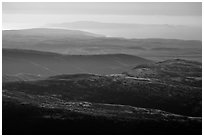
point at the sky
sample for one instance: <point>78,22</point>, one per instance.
<point>18,15</point>
<point>111,8</point>
<point>30,13</point>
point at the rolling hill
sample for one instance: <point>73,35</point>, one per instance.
<point>25,113</point>
<point>84,43</point>
<point>86,85</point>
<point>111,104</point>
<point>48,64</point>
<point>174,71</point>
<point>146,92</point>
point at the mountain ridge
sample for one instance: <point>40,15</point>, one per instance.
<point>132,30</point>
<point>47,64</point>
<point>156,49</point>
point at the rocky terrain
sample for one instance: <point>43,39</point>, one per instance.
<point>143,100</point>
<point>47,114</point>
<point>175,71</point>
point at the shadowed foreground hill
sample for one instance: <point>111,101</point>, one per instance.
<point>44,114</point>
<point>117,90</point>
<point>129,103</point>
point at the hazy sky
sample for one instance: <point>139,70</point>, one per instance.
<point>178,9</point>
<point>23,15</point>
<point>171,9</point>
